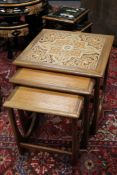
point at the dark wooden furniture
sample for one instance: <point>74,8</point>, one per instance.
<point>19,18</point>
<point>74,53</point>
<point>44,101</point>
<point>67,18</point>
<point>103,14</point>
<point>11,32</point>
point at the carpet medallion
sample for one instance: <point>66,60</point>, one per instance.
<point>99,159</point>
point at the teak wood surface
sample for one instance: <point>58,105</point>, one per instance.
<point>52,80</point>
<point>38,100</point>
<point>70,52</point>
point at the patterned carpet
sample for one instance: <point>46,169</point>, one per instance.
<point>99,159</point>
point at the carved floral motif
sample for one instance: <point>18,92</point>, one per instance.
<point>67,48</point>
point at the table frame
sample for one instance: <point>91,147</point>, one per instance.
<point>100,71</point>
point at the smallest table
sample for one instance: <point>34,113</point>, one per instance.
<point>47,102</point>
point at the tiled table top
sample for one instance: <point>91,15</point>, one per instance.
<point>66,51</point>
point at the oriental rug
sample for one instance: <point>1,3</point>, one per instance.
<point>99,159</point>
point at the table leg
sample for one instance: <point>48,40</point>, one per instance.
<point>105,78</point>
<point>86,123</point>
<point>98,101</point>
<point>93,127</point>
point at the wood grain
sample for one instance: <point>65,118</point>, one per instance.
<point>54,81</point>
<point>38,100</point>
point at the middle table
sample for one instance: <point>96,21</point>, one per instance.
<point>71,52</point>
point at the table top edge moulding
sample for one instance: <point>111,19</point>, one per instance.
<point>53,81</point>
<point>50,102</point>
<point>69,52</point>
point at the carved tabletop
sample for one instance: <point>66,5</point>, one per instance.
<point>66,51</point>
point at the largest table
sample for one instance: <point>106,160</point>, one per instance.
<point>71,52</point>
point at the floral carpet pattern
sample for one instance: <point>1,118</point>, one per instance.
<point>99,159</point>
